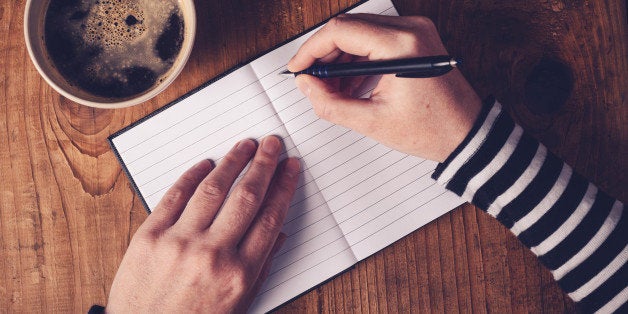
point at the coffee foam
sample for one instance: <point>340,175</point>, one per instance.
<point>126,33</point>
<point>107,25</point>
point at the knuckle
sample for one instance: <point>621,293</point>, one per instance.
<point>273,217</point>
<point>211,190</point>
<point>407,39</point>
<point>248,194</point>
<point>240,281</point>
<point>177,243</point>
<point>213,253</point>
<point>230,159</point>
<point>147,236</point>
<point>172,199</point>
<point>188,178</point>
<point>323,111</point>
<point>265,164</point>
<point>421,21</point>
<point>336,22</point>
<point>232,276</point>
<point>285,190</point>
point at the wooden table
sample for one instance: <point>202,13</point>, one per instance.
<point>67,211</point>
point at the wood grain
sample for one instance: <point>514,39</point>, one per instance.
<point>67,212</point>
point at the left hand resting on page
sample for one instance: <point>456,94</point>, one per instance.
<point>199,251</point>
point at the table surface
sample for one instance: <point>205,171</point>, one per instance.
<point>67,211</point>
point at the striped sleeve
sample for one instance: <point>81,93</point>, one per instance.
<point>576,230</point>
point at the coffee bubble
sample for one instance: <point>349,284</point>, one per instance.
<point>114,48</point>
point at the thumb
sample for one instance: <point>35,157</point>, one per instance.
<point>333,105</point>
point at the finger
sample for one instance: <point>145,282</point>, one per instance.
<point>353,36</point>
<point>336,56</point>
<point>256,245</point>
<point>339,58</point>
<point>335,106</point>
<point>415,26</point>
<point>336,82</point>
<point>331,57</point>
<point>349,86</point>
<point>174,201</point>
<point>263,272</point>
<point>344,58</point>
<point>247,196</point>
<point>211,192</point>
<point>400,22</point>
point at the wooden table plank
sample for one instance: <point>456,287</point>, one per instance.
<point>67,211</point>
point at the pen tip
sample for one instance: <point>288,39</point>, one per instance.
<point>455,62</point>
<point>287,73</point>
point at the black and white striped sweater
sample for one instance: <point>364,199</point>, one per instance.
<point>576,230</point>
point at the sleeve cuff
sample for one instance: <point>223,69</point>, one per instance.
<point>471,144</point>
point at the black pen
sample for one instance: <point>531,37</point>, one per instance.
<point>412,67</point>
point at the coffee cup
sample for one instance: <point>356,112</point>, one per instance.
<point>109,53</point>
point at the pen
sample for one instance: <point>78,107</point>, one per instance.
<point>412,68</point>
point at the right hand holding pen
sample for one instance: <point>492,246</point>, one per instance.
<point>425,117</point>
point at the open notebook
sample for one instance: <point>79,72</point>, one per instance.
<point>355,196</point>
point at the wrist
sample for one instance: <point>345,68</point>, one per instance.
<point>467,130</point>
<point>464,113</point>
<point>471,142</point>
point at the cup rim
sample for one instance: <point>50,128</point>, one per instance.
<point>186,50</point>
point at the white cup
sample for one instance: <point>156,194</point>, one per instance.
<point>34,22</point>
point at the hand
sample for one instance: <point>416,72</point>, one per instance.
<point>198,252</point>
<point>426,117</point>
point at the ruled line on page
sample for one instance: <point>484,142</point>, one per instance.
<point>345,234</point>
<point>265,105</point>
<point>348,249</point>
<point>360,193</point>
<point>295,147</point>
<point>203,109</point>
<point>314,165</point>
<point>284,251</point>
<point>339,179</point>
<point>181,164</point>
<point>199,125</point>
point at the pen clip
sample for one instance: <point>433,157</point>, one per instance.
<point>425,74</point>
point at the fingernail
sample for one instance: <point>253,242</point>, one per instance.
<point>303,86</point>
<point>293,166</point>
<point>246,146</point>
<point>289,66</point>
<point>271,145</point>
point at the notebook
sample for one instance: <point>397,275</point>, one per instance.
<point>354,197</point>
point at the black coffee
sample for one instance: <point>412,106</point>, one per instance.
<point>114,48</point>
